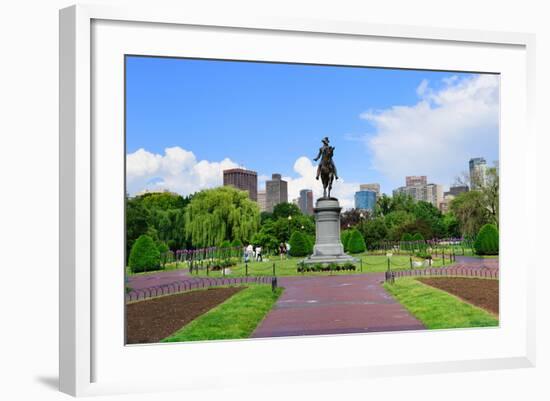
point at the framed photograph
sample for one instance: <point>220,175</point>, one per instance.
<point>306,198</point>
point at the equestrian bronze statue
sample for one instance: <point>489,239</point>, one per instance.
<point>326,168</point>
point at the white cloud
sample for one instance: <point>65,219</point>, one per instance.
<point>438,135</point>
<point>177,170</point>
<point>306,171</point>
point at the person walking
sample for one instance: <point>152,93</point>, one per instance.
<point>259,254</point>
<point>282,250</point>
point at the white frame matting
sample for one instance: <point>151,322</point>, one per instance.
<point>93,42</point>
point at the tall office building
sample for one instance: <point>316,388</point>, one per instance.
<point>457,190</point>
<point>305,203</point>
<point>245,180</point>
<point>371,187</point>
<point>365,199</point>
<point>262,200</point>
<point>434,194</point>
<point>420,190</point>
<point>478,172</point>
<point>416,180</point>
<point>276,192</point>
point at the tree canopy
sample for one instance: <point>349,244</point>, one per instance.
<point>219,214</point>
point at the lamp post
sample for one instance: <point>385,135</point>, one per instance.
<point>289,220</point>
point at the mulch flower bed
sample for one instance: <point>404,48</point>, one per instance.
<point>479,292</point>
<point>152,320</point>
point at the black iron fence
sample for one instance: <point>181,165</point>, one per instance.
<point>194,284</point>
<point>489,273</point>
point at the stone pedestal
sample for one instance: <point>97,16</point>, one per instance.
<point>328,247</point>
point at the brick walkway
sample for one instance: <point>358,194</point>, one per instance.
<point>335,305</point>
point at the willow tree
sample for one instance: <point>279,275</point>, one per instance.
<point>220,214</point>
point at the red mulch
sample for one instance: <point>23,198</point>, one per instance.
<point>152,320</point>
<point>479,292</point>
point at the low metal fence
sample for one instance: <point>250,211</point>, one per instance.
<point>443,272</point>
<point>194,284</point>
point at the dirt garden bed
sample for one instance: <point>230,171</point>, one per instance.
<point>479,292</point>
<point>152,320</point>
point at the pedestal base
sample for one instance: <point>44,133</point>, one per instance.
<point>328,247</point>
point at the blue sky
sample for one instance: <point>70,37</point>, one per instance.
<point>265,116</point>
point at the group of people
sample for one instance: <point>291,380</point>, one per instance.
<point>255,252</point>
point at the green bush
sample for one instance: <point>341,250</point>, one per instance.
<point>237,243</point>
<point>344,237</point>
<point>145,255</point>
<point>300,245</point>
<point>407,237</point>
<point>356,242</point>
<point>486,242</point>
<point>417,237</point>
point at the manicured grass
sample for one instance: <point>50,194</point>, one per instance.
<point>438,309</point>
<point>235,318</point>
<point>287,267</point>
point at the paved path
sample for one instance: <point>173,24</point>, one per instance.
<point>335,305</point>
<point>140,281</point>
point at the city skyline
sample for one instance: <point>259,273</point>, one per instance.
<point>188,120</point>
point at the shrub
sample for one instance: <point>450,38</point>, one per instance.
<point>144,255</point>
<point>486,242</point>
<point>407,237</point>
<point>225,244</point>
<point>344,237</point>
<point>417,237</point>
<point>237,243</point>
<point>299,244</point>
<point>356,242</point>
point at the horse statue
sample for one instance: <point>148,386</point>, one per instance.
<point>326,168</point>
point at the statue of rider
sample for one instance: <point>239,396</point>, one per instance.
<point>322,152</point>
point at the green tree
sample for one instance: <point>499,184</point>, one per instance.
<point>356,242</point>
<point>219,214</point>
<point>267,241</point>
<point>137,217</point>
<point>490,193</point>
<point>300,245</point>
<point>374,231</point>
<point>487,241</point>
<point>285,209</point>
<point>144,255</point>
<point>471,211</point>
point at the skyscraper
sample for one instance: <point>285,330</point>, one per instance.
<point>416,180</point>
<point>276,192</point>
<point>371,187</point>
<point>365,200</point>
<point>245,180</point>
<point>418,188</point>
<point>306,201</point>
<point>478,172</point>
<point>456,190</point>
<point>261,200</point>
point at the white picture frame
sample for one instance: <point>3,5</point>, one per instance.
<point>82,328</point>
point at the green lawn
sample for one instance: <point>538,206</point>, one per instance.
<point>235,318</point>
<point>438,309</point>
<point>287,267</point>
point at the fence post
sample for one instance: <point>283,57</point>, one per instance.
<point>274,270</point>
<point>388,263</point>
<point>273,284</point>
<point>361,264</point>
<point>443,255</point>
<point>208,269</point>
<point>411,261</point>
<point>246,269</point>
